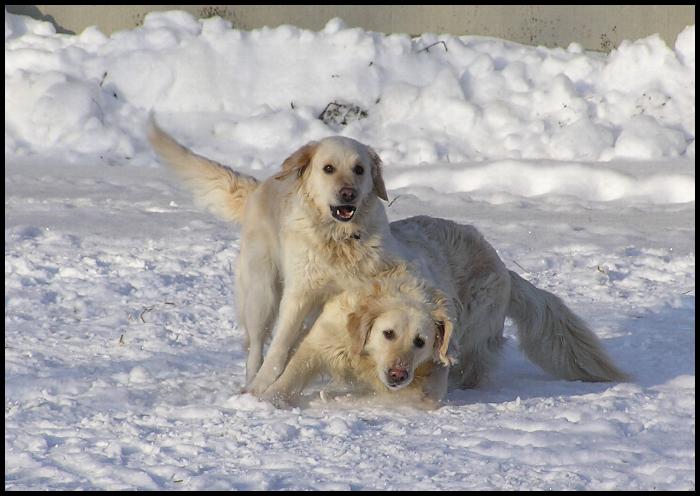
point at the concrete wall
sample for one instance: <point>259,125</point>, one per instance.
<point>596,27</point>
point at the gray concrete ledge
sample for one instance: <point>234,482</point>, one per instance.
<point>595,27</point>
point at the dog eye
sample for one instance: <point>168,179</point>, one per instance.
<point>419,342</point>
<point>359,170</point>
<point>389,334</point>
<point>329,169</point>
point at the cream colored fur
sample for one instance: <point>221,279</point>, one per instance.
<point>295,257</point>
<point>476,294</point>
<point>216,187</point>
<point>347,341</point>
<point>294,253</point>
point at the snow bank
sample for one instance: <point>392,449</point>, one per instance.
<point>531,178</point>
<point>249,97</point>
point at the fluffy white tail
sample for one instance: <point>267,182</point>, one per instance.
<point>555,338</point>
<point>216,187</point>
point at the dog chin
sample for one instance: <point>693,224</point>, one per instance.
<point>397,386</point>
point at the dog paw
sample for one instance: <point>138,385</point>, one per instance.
<point>429,404</point>
<point>261,382</point>
<point>257,388</point>
<point>277,398</point>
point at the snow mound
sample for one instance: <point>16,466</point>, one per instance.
<point>242,94</point>
<point>528,178</point>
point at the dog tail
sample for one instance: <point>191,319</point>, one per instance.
<point>216,187</point>
<point>555,338</point>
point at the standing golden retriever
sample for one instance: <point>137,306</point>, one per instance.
<point>307,233</point>
<point>401,337</point>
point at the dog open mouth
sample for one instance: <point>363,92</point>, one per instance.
<point>343,213</point>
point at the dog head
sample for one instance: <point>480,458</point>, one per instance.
<point>400,327</point>
<point>338,174</point>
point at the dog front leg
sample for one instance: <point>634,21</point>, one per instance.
<point>304,365</point>
<point>294,308</point>
<point>435,386</point>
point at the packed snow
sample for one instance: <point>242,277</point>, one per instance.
<point>123,354</point>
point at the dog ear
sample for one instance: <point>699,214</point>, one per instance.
<point>377,179</point>
<point>442,341</point>
<point>443,328</point>
<point>298,161</point>
<point>359,325</point>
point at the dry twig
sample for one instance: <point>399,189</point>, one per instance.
<point>427,49</point>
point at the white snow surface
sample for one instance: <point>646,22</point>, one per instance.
<point>123,354</point>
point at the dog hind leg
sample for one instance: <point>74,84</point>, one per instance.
<point>257,297</point>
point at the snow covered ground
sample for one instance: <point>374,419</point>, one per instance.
<point>123,354</point>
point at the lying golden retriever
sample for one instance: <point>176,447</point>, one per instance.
<point>389,337</point>
<point>307,233</point>
<point>401,337</point>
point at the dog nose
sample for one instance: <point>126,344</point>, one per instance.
<point>348,194</point>
<point>397,375</point>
